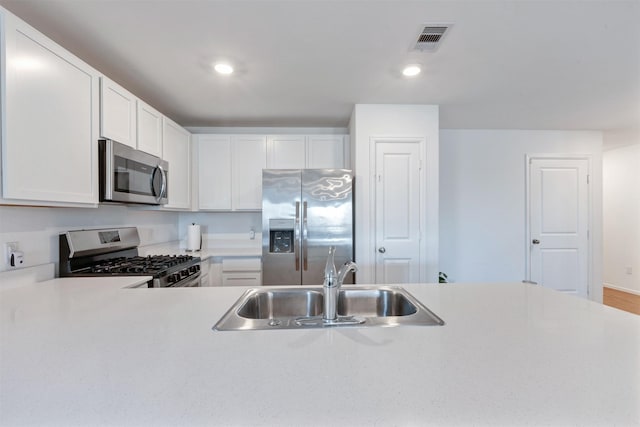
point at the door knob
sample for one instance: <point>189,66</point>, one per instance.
<point>382,250</point>
<point>536,242</point>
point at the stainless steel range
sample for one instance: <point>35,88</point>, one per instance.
<point>114,252</point>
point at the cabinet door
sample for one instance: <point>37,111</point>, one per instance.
<point>286,152</point>
<point>176,149</point>
<point>50,120</point>
<point>117,113</point>
<point>149,129</point>
<point>214,172</point>
<point>242,279</point>
<point>325,151</point>
<point>248,159</point>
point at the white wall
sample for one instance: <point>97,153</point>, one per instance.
<point>381,120</point>
<point>232,223</point>
<point>36,229</point>
<point>482,200</point>
<point>621,217</point>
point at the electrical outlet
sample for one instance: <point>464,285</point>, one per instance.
<point>9,248</point>
<point>629,270</point>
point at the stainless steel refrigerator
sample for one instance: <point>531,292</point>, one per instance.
<point>304,211</point>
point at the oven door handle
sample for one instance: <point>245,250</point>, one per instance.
<point>188,282</point>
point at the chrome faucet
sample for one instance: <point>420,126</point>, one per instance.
<point>331,286</point>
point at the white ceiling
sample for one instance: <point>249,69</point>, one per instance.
<point>505,64</point>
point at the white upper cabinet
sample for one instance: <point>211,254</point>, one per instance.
<point>149,129</point>
<point>286,152</point>
<point>326,152</point>
<point>176,149</point>
<point>214,172</point>
<point>230,171</point>
<point>306,151</point>
<point>117,113</point>
<point>249,157</point>
<point>49,121</point>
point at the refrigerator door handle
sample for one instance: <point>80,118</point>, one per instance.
<point>296,239</point>
<point>305,246</point>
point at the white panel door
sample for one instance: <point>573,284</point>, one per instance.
<point>176,149</point>
<point>214,172</point>
<point>325,152</point>
<point>249,157</point>
<point>397,192</point>
<point>559,215</point>
<point>149,129</point>
<point>49,149</point>
<point>117,113</point>
<point>286,152</point>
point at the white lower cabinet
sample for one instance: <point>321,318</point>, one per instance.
<point>204,272</point>
<point>50,121</point>
<point>215,273</point>
<point>235,271</point>
<point>242,279</point>
<point>242,271</point>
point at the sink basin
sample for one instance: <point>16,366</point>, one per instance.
<point>301,308</point>
<point>270,304</point>
<point>380,302</point>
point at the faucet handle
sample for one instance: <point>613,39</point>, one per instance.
<point>346,268</point>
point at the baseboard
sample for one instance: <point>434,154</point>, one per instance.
<point>618,288</point>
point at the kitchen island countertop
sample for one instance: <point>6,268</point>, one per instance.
<point>87,351</point>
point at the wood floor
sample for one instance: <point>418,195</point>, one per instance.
<point>621,300</point>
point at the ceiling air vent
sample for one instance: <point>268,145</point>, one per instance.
<point>430,37</point>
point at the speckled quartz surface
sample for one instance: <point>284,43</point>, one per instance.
<point>88,352</point>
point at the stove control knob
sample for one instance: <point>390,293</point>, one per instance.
<point>172,278</point>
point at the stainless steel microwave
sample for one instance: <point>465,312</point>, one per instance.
<point>128,175</point>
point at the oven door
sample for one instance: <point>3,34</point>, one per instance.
<point>189,282</point>
<point>131,176</point>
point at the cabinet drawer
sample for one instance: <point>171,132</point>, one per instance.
<point>241,279</point>
<point>241,264</point>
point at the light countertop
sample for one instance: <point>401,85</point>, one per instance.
<point>85,351</point>
<point>217,248</point>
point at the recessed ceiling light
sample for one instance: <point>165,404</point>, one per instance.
<point>411,70</point>
<point>223,68</point>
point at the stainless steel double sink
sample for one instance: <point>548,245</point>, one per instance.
<point>301,308</point>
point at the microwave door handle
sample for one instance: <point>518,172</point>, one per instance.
<point>163,189</point>
<point>163,183</point>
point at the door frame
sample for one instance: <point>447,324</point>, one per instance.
<point>422,144</point>
<point>527,237</point>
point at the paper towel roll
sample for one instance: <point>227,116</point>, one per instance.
<point>193,237</point>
